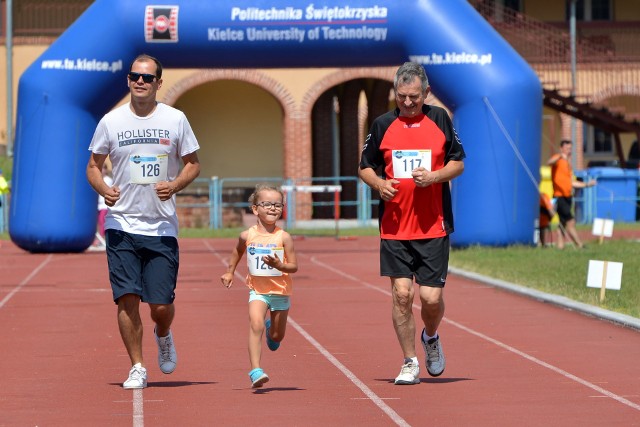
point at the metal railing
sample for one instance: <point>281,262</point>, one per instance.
<point>216,195</point>
<point>43,18</point>
<point>224,194</point>
<point>615,197</point>
<point>4,213</point>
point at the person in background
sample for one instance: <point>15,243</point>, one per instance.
<point>4,189</point>
<point>99,243</point>
<point>544,222</point>
<point>271,259</point>
<point>563,184</point>
<point>147,142</point>
<point>4,186</point>
<point>418,151</point>
<point>102,206</point>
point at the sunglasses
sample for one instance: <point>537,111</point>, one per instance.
<point>147,78</point>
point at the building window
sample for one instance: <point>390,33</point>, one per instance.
<point>601,10</point>
<point>512,4</point>
<point>500,10</point>
<point>598,143</point>
<point>591,10</point>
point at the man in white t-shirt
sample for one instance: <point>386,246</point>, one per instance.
<point>147,143</point>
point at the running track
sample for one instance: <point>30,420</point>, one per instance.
<point>510,360</point>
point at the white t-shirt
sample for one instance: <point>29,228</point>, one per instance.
<point>144,150</point>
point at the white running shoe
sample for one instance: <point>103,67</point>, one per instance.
<point>167,356</point>
<point>409,374</point>
<point>434,356</point>
<point>137,378</point>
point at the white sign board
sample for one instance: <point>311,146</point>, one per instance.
<point>595,276</point>
<point>602,227</point>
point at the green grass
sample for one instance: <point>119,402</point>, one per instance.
<point>6,164</point>
<point>549,270</point>
<point>560,272</point>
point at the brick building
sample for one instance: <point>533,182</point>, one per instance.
<point>310,123</point>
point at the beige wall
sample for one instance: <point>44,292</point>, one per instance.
<point>545,10</point>
<point>235,119</point>
<point>298,81</point>
<point>554,10</point>
<point>551,133</point>
<point>23,57</point>
<point>626,10</point>
<point>239,128</point>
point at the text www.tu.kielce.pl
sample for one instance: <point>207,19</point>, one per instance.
<point>81,64</point>
<point>452,58</point>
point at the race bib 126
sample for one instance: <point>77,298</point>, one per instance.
<point>148,169</point>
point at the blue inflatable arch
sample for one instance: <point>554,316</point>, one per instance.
<point>494,94</point>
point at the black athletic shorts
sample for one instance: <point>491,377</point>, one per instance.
<point>142,265</point>
<point>426,260</point>
<point>563,207</point>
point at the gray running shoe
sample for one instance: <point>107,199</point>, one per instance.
<point>409,373</point>
<point>434,356</point>
<point>167,357</point>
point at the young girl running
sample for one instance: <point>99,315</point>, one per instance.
<point>270,259</point>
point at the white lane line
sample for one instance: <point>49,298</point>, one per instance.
<point>26,280</point>
<point>138,408</point>
<point>351,376</point>
<point>397,419</point>
<point>496,342</point>
<point>549,366</point>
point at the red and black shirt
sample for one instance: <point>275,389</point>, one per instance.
<point>415,212</point>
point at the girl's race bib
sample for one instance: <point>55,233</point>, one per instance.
<point>257,266</point>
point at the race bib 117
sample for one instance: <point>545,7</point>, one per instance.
<point>404,161</point>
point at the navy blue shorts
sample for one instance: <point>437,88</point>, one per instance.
<point>142,265</point>
<point>563,207</point>
<point>426,260</point>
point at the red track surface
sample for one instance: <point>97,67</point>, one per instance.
<point>510,360</point>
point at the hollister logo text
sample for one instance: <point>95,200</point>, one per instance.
<point>161,24</point>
